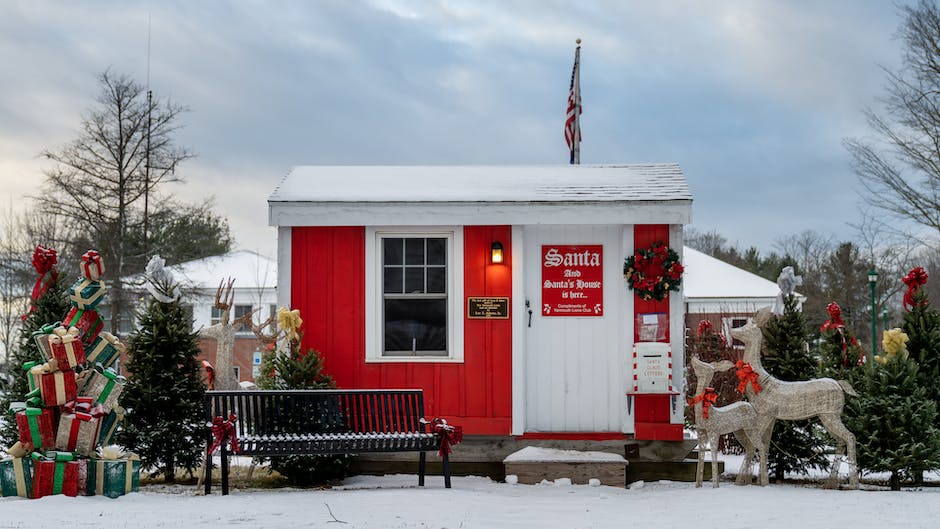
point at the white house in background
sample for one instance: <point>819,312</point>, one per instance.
<point>722,293</point>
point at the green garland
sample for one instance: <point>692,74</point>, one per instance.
<point>652,272</point>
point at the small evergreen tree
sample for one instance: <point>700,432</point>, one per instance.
<point>795,445</point>
<point>893,420</point>
<point>50,307</point>
<point>164,424</point>
<point>296,369</point>
<point>922,326</point>
<point>839,352</point>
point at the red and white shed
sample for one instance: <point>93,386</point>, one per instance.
<point>393,269</point>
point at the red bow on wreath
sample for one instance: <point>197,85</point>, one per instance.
<point>914,279</point>
<point>746,375</point>
<point>450,435</point>
<point>707,398</point>
<point>223,431</point>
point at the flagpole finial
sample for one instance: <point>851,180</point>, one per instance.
<point>578,42</point>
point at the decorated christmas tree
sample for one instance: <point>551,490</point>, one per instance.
<point>165,424</point>
<point>292,368</point>
<point>839,351</point>
<point>893,419</point>
<point>48,302</point>
<point>795,445</point>
<point>922,326</point>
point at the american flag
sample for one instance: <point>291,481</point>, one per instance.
<point>572,125</point>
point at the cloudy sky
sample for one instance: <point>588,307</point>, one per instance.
<point>752,98</point>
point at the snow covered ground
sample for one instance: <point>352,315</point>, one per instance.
<point>475,502</point>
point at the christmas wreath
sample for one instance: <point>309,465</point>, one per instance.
<point>654,271</point>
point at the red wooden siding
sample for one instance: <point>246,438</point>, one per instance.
<point>644,235</point>
<point>328,286</point>
<point>651,419</point>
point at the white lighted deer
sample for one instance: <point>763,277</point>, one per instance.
<point>774,399</point>
<point>711,422</point>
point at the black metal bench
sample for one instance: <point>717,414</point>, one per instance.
<point>323,422</point>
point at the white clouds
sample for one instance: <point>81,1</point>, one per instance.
<point>728,89</point>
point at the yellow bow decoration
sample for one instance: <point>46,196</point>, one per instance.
<point>290,321</point>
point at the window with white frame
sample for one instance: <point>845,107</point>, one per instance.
<point>415,286</point>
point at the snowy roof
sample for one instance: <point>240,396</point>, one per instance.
<point>249,269</point>
<point>708,277</point>
<point>427,183</point>
<point>423,195</point>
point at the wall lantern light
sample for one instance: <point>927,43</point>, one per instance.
<point>496,253</point>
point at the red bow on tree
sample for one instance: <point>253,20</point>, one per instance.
<point>746,375</point>
<point>44,260</point>
<point>707,398</point>
<point>835,318</point>
<point>450,435</point>
<point>914,279</point>
<point>223,431</point>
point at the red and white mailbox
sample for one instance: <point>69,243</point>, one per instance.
<point>653,397</point>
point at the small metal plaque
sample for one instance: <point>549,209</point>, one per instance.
<point>488,308</point>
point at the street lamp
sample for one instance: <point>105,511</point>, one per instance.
<point>872,280</point>
<point>884,317</point>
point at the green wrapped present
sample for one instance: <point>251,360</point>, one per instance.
<point>86,293</point>
<point>113,477</point>
<point>16,477</point>
<point>41,337</point>
<point>104,350</point>
<point>109,425</point>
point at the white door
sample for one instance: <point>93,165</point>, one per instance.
<point>575,366</point>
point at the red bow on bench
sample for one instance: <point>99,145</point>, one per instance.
<point>450,435</point>
<point>223,430</point>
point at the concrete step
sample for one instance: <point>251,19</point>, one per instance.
<point>668,470</point>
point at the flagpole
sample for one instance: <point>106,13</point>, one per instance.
<point>576,145</point>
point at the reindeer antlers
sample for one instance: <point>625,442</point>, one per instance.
<point>224,296</point>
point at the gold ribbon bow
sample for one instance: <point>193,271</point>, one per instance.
<point>63,335</point>
<point>289,321</point>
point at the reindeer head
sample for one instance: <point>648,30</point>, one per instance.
<point>705,372</point>
<point>748,334</point>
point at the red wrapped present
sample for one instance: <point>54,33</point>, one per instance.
<point>86,293</point>
<point>67,347</point>
<point>56,387</point>
<point>79,426</point>
<point>92,266</point>
<point>36,426</point>
<point>58,473</point>
<point>88,322</point>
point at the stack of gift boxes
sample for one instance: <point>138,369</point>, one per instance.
<point>71,409</point>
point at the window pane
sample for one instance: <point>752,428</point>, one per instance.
<point>414,251</point>
<point>241,310</point>
<point>393,251</point>
<point>414,280</point>
<point>393,277</point>
<point>437,279</point>
<point>437,251</point>
<point>416,325</point>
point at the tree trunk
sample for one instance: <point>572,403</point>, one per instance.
<point>895,481</point>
